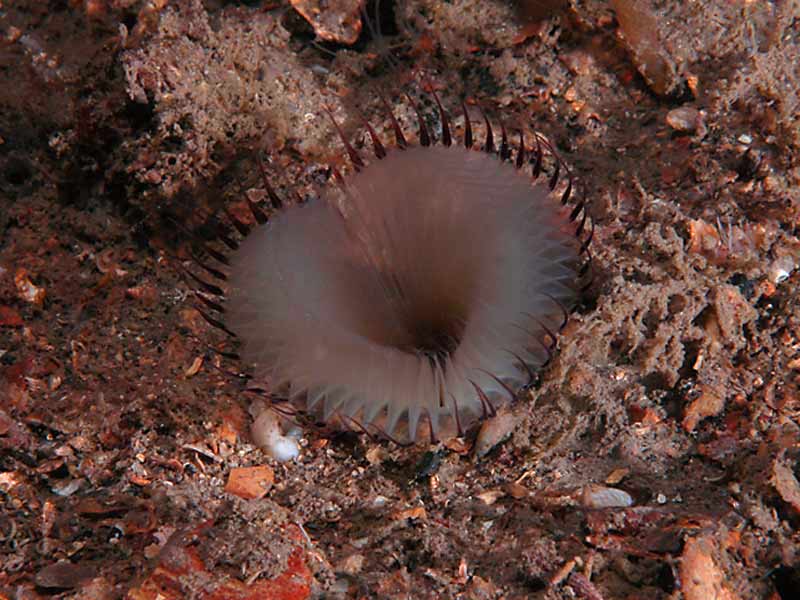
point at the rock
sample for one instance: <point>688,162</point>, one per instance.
<point>9,317</point>
<point>638,27</point>
<point>709,403</point>
<point>785,482</point>
<point>250,483</point>
<point>63,575</point>
<point>686,119</point>
<point>701,578</point>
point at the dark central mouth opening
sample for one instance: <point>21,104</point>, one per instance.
<point>435,339</point>
<point>427,321</point>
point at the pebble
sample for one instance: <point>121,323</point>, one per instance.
<point>685,119</point>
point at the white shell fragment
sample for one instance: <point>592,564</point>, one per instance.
<point>600,496</point>
<point>781,268</point>
<point>267,435</point>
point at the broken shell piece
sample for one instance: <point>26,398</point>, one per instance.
<point>600,496</point>
<point>267,435</point>
<point>26,290</point>
<point>781,268</point>
<point>493,431</point>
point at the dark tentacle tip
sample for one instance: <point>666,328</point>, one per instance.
<point>358,162</point>
<point>424,134</point>
<point>214,322</point>
<point>352,421</point>
<point>520,151</point>
<point>564,310</point>
<point>198,241</point>
<point>576,211</point>
<point>526,367</point>
<point>284,409</point>
<point>447,139</point>
<point>229,355</point>
<point>215,254</point>
<point>502,383</point>
<point>538,157</point>
<point>377,433</point>
<point>468,141</point>
<point>242,228</point>
<point>579,229</point>
<point>556,171</point>
<point>377,145</point>
<point>505,150</point>
<point>400,139</point>
<point>277,203</point>
<point>225,239</point>
<point>585,244</point>
<point>259,215</point>
<point>544,327</point>
<point>486,405</point>
<point>488,146</point>
<point>209,288</point>
<point>568,191</point>
<point>216,273</point>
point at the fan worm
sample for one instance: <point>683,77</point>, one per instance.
<point>418,291</point>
